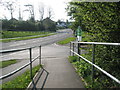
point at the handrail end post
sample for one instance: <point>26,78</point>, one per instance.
<point>30,51</point>
<point>39,55</point>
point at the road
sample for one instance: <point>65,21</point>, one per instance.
<point>61,34</point>
<point>23,56</point>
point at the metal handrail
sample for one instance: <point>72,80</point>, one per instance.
<point>109,75</point>
<point>92,63</point>
<point>19,69</point>
<point>16,50</point>
<point>98,43</point>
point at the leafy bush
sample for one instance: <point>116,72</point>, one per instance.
<point>73,59</point>
<point>100,20</point>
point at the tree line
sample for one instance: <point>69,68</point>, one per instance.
<point>29,25</point>
<point>43,24</point>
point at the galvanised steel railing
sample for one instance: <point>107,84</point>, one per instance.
<point>72,49</point>
<point>21,68</point>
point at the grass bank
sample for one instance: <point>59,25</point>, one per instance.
<point>14,34</point>
<point>21,81</point>
<point>85,38</point>
<point>7,63</point>
<point>66,41</point>
<point>25,38</point>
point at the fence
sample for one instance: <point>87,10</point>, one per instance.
<point>72,50</point>
<point>21,68</point>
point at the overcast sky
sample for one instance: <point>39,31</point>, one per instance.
<point>58,7</point>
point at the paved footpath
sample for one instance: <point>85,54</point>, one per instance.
<point>57,72</point>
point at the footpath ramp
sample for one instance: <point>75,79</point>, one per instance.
<point>58,72</point>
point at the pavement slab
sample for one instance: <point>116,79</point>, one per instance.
<point>58,71</point>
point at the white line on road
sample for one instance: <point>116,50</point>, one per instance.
<point>18,44</point>
<point>7,55</point>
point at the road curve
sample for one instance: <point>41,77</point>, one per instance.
<point>61,34</point>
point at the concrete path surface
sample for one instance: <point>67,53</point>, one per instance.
<point>58,72</point>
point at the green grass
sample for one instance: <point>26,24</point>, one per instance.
<point>7,63</point>
<point>85,38</point>
<point>14,34</point>
<point>21,81</point>
<point>66,41</point>
<point>25,38</point>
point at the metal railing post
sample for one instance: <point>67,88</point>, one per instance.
<point>31,76</point>
<point>30,50</point>
<point>79,50</point>
<point>73,49</point>
<point>93,61</point>
<point>70,48</point>
<point>40,55</point>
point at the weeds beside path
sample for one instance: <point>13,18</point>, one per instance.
<point>21,81</point>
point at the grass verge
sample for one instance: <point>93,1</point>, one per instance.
<point>14,34</point>
<point>7,63</point>
<point>66,41</point>
<point>25,38</point>
<point>21,81</point>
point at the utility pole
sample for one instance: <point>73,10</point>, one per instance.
<point>20,18</point>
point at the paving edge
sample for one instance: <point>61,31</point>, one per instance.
<point>33,79</point>
<point>61,45</point>
<point>83,80</point>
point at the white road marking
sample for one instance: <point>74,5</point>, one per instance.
<point>18,44</point>
<point>7,55</point>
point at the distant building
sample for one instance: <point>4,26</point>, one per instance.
<point>61,24</point>
<point>49,24</point>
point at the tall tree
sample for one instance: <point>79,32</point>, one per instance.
<point>50,13</point>
<point>10,5</point>
<point>20,16</point>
